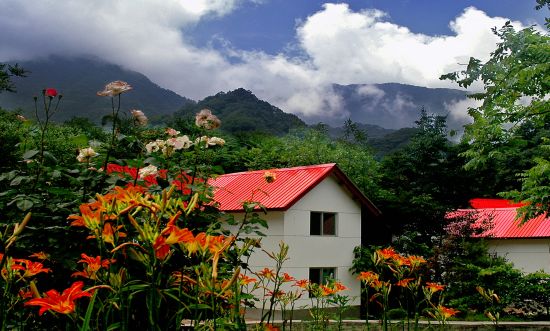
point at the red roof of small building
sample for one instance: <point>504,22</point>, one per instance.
<point>289,186</point>
<point>480,203</point>
<point>503,220</point>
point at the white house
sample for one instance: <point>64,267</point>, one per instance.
<point>316,210</point>
<point>526,245</point>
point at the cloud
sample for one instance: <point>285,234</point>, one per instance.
<point>457,110</point>
<point>371,91</point>
<point>336,45</point>
<point>361,47</point>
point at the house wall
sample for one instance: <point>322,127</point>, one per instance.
<point>324,251</point>
<point>305,251</point>
<point>528,255</point>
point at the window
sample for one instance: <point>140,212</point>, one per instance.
<point>322,224</point>
<point>321,275</point>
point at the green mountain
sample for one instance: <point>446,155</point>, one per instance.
<point>78,80</point>
<point>241,111</point>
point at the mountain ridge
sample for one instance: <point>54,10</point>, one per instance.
<point>78,80</point>
<point>379,108</point>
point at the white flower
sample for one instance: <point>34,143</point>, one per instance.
<point>114,88</point>
<point>201,139</point>
<point>147,171</point>
<point>204,119</point>
<point>86,154</point>
<point>139,117</point>
<point>180,142</point>
<point>155,146</point>
<point>213,141</point>
<point>172,132</point>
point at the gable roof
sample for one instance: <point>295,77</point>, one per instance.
<point>503,220</point>
<point>290,185</point>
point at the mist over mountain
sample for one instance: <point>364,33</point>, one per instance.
<point>394,106</point>
<point>78,80</point>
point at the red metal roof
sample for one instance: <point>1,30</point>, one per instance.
<point>291,184</point>
<point>493,203</point>
<point>506,226</point>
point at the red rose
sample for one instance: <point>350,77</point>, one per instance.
<point>50,92</point>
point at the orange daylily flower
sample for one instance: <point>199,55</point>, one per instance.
<point>271,327</point>
<point>40,256</point>
<point>302,283</point>
<point>177,235</point>
<point>25,294</point>
<point>368,276</point>
<point>108,233</point>
<point>267,273</point>
<point>131,194</point>
<point>34,268</point>
<point>93,264</point>
<point>90,216</point>
<point>378,284</point>
<point>339,287</point>
<point>287,278</point>
<point>245,280</point>
<point>415,261</point>
<point>62,303</point>
<point>325,290</point>
<point>447,312</point>
<point>404,282</point>
<point>161,248</point>
<point>400,260</point>
<point>434,287</point>
<point>387,253</point>
<point>203,243</point>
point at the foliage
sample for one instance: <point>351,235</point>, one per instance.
<point>242,111</point>
<point>516,85</point>
<point>535,287</point>
<point>421,183</point>
<point>7,71</point>
<point>462,260</point>
<point>314,146</point>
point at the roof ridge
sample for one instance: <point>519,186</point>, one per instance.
<point>313,166</point>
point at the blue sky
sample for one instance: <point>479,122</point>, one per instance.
<point>270,25</point>
<point>287,52</point>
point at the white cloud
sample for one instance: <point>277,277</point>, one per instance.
<point>338,46</point>
<point>458,110</point>
<point>360,47</point>
<point>371,91</point>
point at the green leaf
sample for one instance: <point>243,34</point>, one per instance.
<point>24,205</point>
<point>114,326</point>
<point>87,317</point>
<point>17,180</point>
<point>30,154</point>
<point>49,156</point>
<point>80,140</point>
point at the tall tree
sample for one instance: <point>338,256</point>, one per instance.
<point>422,182</point>
<point>515,111</point>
